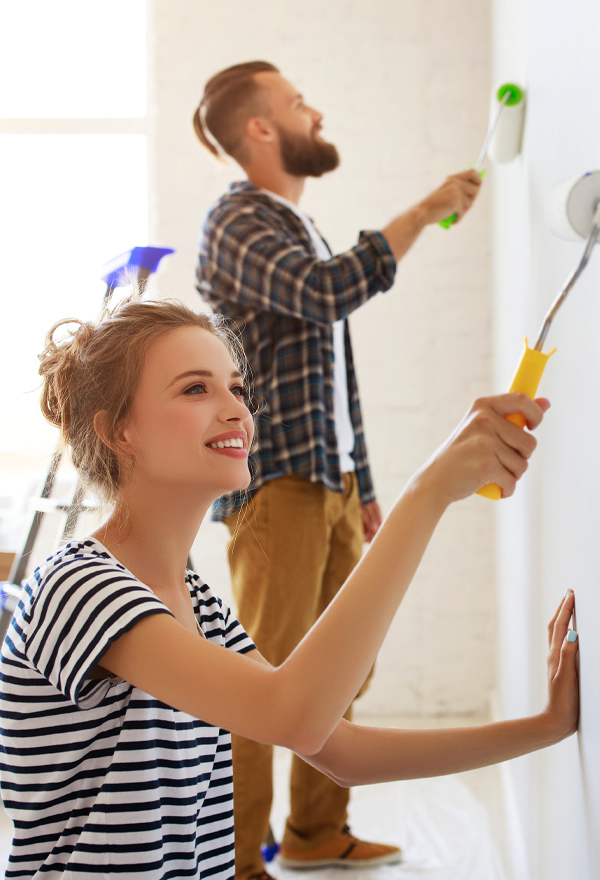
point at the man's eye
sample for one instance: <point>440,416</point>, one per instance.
<point>198,388</point>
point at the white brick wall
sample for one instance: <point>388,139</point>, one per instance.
<point>404,89</point>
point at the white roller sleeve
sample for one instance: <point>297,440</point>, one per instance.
<point>506,143</point>
<point>569,206</point>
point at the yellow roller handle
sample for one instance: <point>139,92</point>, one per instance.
<point>526,381</point>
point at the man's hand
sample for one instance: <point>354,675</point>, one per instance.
<point>371,520</point>
<point>455,196</point>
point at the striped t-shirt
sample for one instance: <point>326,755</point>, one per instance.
<point>100,778</point>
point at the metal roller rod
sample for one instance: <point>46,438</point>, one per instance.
<point>589,246</point>
<point>505,97</point>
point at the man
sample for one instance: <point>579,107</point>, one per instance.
<point>298,534</point>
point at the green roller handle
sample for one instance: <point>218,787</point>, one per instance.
<point>449,221</point>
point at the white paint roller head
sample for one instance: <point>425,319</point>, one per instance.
<point>569,207</point>
<point>572,211</point>
<point>505,143</point>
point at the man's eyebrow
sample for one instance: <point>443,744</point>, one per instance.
<point>205,374</point>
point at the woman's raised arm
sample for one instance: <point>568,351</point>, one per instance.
<point>300,703</point>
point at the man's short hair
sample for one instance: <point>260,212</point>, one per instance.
<point>230,98</point>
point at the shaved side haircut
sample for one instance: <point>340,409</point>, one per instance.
<point>230,99</point>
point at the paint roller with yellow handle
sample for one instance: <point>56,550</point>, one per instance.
<point>572,211</point>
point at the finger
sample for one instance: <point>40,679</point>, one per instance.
<point>368,531</point>
<point>512,461</point>
<point>568,595</point>
<point>515,437</point>
<point>507,472</point>
<point>466,188</point>
<point>512,402</point>
<point>561,624</point>
<point>543,403</point>
<point>485,420</point>
<point>464,196</point>
<point>566,655</point>
<point>470,175</point>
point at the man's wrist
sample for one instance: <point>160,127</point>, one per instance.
<point>420,215</point>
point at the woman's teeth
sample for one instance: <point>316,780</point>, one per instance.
<point>225,444</point>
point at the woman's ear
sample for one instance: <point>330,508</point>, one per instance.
<point>118,442</point>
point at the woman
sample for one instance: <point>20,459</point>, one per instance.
<point>116,651</point>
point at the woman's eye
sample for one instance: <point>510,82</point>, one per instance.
<point>198,388</point>
<point>240,391</point>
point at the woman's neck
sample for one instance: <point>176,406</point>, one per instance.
<point>151,533</point>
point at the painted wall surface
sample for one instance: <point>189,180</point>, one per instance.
<point>548,534</point>
<point>404,89</point>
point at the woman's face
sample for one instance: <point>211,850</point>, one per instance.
<point>189,426</point>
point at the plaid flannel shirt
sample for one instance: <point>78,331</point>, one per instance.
<point>257,267</point>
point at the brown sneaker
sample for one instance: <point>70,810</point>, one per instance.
<point>344,851</point>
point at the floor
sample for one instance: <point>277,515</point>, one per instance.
<point>449,828</point>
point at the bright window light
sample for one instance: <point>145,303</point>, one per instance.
<point>72,58</point>
<point>69,203</point>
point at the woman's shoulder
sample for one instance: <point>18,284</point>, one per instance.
<point>72,558</point>
<point>81,567</point>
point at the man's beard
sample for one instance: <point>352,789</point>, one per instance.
<point>304,156</point>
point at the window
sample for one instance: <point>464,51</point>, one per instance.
<point>74,184</point>
<point>73,177</point>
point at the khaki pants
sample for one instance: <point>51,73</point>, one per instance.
<point>292,548</point>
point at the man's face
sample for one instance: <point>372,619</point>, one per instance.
<point>304,153</point>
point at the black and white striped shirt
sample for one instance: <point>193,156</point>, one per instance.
<point>99,778</point>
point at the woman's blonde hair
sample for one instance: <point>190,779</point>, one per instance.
<point>97,367</point>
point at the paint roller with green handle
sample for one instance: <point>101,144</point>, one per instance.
<point>508,136</point>
<point>572,210</point>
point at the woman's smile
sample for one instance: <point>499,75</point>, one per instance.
<point>231,443</point>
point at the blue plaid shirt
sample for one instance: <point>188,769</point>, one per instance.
<point>258,268</point>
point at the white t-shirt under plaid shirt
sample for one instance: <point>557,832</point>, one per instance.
<point>99,778</point>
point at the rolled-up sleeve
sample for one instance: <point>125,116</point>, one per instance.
<point>253,263</point>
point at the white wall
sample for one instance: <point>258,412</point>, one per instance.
<point>548,534</point>
<point>404,88</point>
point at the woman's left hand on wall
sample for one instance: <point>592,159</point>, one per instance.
<point>563,682</point>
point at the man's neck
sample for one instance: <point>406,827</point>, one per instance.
<point>277,181</point>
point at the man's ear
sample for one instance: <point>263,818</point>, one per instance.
<point>260,130</point>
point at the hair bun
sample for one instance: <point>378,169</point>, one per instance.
<point>57,363</point>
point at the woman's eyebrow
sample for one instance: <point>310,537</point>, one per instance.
<point>206,374</point>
